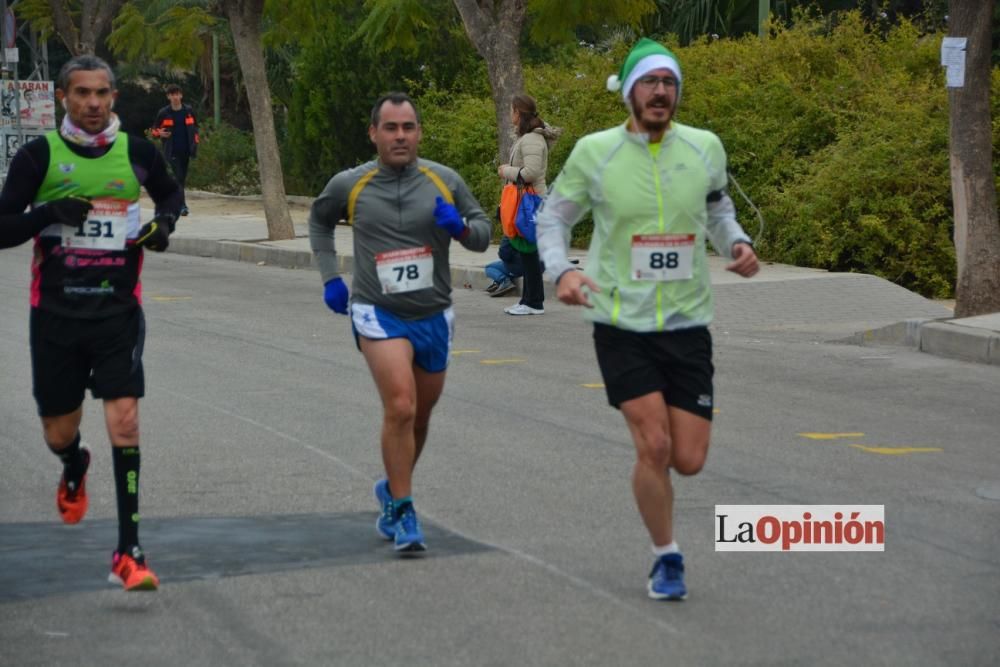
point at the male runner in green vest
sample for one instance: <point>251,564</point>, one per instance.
<point>87,325</point>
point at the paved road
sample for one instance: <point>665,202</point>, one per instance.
<point>260,431</point>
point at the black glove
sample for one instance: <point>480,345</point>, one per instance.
<point>155,234</point>
<point>66,211</point>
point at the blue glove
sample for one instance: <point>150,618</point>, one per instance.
<point>335,295</point>
<point>448,218</point>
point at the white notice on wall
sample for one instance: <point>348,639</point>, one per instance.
<point>953,59</point>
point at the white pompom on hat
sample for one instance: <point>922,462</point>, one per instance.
<point>644,57</point>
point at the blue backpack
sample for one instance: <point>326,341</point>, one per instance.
<point>526,213</point>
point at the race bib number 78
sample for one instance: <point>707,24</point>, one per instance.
<point>405,270</point>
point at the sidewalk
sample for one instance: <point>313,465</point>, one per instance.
<point>234,228</point>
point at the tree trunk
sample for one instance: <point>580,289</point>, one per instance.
<point>494,28</point>
<point>244,20</point>
<point>977,230</point>
<point>95,18</point>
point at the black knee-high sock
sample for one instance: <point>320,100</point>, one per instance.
<point>74,463</point>
<point>126,463</point>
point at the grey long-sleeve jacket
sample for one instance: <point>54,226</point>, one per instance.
<point>393,210</point>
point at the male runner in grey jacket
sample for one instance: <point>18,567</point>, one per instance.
<point>405,212</point>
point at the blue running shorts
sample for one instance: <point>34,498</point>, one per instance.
<point>430,336</point>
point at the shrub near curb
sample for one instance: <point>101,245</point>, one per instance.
<point>846,152</point>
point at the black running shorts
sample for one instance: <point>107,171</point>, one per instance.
<point>69,355</point>
<point>677,363</point>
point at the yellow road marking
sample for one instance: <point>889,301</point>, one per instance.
<point>498,362</point>
<point>895,451</point>
<point>459,352</point>
<point>170,298</point>
<point>716,411</point>
<point>831,436</point>
<point>593,385</point>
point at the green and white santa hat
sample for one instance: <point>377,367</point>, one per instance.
<point>644,57</point>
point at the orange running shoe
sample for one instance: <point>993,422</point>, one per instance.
<point>131,571</point>
<point>72,502</point>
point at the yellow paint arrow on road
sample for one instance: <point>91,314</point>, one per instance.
<point>831,436</point>
<point>460,352</point>
<point>896,451</point>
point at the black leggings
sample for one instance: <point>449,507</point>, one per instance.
<point>533,293</point>
<point>179,164</point>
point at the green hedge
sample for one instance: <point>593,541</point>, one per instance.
<point>839,136</point>
<point>337,79</point>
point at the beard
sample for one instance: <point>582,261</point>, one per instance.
<point>651,125</point>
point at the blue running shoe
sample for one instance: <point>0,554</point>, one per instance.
<point>385,524</point>
<point>409,536</point>
<point>666,581</point>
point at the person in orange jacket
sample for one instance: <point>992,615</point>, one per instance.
<point>177,127</point>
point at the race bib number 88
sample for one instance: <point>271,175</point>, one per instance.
<point>405,270</point>
<point>662,257</point>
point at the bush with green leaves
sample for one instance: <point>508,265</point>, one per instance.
<point>841,138</point>
<point>460,132</point>
<point>838,133</point>
<point>338,78</point>
<point>226,162</point>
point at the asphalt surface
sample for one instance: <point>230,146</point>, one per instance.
<point>260,430</point>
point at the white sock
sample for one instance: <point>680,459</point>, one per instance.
<point>666,549</point>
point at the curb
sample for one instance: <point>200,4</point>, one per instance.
<point>938,337</point>
<point>265,255</point>
<point>293,200</point>
<point>255,253</point>
<point>905,333</point>
<point>959,342</point>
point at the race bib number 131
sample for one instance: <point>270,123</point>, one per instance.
<point>106,227</point>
